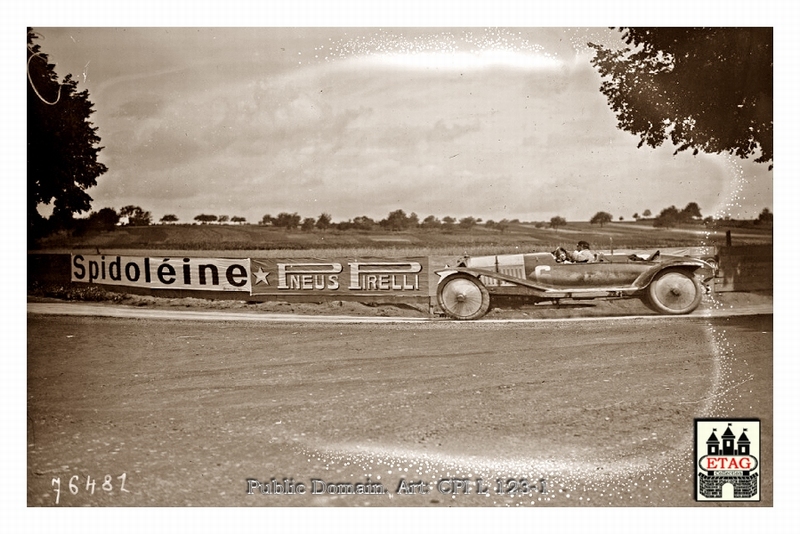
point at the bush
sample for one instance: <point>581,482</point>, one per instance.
<point>74,292</point>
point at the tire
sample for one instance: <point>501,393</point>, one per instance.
<point>674,292</point>
<point>463,297</point>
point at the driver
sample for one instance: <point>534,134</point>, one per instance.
<point>583,253</point>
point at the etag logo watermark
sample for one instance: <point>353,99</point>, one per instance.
<point>727,460</point>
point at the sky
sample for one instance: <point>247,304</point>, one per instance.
<point>486,122</point>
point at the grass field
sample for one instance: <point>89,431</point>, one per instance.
<point>264,241</point>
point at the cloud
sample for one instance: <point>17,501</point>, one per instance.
<point>459,61</point>
<point>496,137</point>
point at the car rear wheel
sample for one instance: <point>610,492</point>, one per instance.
<point>463,297</point>
<point>674,293</point>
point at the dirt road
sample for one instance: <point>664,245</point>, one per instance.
<point>597,413</point>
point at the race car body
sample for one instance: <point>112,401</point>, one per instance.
<point>667,284</point>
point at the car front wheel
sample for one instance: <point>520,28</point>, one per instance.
<point>463,297</point>
<point>674,293</point>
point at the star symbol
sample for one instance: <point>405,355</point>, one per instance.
<point>261,276</point>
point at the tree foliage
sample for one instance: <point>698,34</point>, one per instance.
<point>502,225</point>
<point>62,145</point>
<point>708,89</point>
<point>204,218</point>
<point>363,223</point>
<point>323,221</point>
<point>169,218</point>
<point>672,216</point>
<point>290,221</point>
<point>602,218</point>
<point>467,222</point>
<point>398,220</point>
<point>308,224</point>
<point>557,222</point>
<point>431,222</point>
<point>105,219</point>
<point>691,211</point>
<point>136,216</point>
<point>765,216</point>
<point>668,218</point>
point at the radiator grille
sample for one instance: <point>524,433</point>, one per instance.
<point>517,271</point>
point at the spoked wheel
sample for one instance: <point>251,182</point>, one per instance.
<point>463,297</point>
<point>674,293</point>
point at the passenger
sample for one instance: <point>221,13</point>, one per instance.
<point>583,254</point>
<point>561,255</point>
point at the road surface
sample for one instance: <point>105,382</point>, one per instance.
<point>168,410</point>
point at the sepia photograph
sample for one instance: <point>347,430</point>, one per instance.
<point>406,266</point>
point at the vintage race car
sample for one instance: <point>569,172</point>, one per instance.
<point>667,284</point>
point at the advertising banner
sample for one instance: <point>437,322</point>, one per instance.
<point>340,276</point>
<point>162,273</point>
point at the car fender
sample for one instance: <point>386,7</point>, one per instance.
<point>686,264</point>
<point>445,273</point>
<point>483,273</point>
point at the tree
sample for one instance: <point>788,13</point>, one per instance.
<point>136,216</point>
<point>668,218</point>
<point>204,218</point>
<point>308,224</point>
<point>397,220</point>
<point>238,220</point>
<point>467,222</point>
<point>708,89</point>
<point>223,219</point>
<point>363,223</point>
<point>62,145</point>
<point>267,220</point>
<point>169,218</point>
<point>290,221</point>
<point>323,221</point>
<point>690,212</point>
<point>431,222</point>
<point>647,213</point>
<point>557,222</point>
<point>765,216</point>
<point>602,218</point>
<point>636,216</point>
<point>105,219</point>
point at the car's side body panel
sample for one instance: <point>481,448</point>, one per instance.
<point>615,275</point>
<point>668,285</point>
